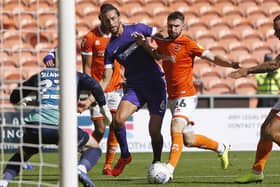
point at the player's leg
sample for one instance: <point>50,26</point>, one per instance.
<point>125,109</point>
<point>113,101</point>
<point>99,125</point>
<point>31,136</point>
<point>112,145</point>
<point>204,142</point>
<point>155,96</point>
<point>270,132</point>
<point>90,154</point>
<point>155,124</point>
<point>180,108</point>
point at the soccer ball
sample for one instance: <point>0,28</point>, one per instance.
<point>158,173</point>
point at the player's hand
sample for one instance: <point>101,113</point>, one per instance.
<point>140,38</point>
<point>235,65</point>
<point>105,111</point>
<point>242,72</point>
<point>83,105</point>
<point>25,101</point>
<point>50,63</point>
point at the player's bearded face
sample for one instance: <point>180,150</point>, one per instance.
<point>111,21</point>
<point>276,26</point>
<point>174,28</point>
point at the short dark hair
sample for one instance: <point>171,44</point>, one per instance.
<point>106,7</point>
<point>276,18</point>
<point>176,15</point>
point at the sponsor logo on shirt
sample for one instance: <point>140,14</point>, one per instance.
<point>97,42</point>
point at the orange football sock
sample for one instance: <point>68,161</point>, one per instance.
<point>263,150</point>
<point>112,144</point>
<point>176,148</point>
<point>201,141</point>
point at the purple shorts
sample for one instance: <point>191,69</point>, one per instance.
<point>152,93</point>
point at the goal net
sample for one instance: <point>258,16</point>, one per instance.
<point>29,29</point>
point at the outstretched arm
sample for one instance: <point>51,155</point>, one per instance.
<point>218,60</point>
<point>262,68</point>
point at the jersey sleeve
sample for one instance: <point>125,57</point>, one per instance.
<point>87,44</point>
<point>196,49</point>
<point>108,59</point>
<point>145,29</point>
<point>16,96</point>
<point>88,83</point>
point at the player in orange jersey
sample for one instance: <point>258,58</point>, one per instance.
<point>93,47</point>
<point>270,129</point>
<point>177,53</point>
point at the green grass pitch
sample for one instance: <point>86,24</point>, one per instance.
<point>195,169</point>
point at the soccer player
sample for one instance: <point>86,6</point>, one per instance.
<point>177,53</point>
<point>270,129</point>
<point>93,48</point>
<point>144,82</point>
<point>42,123</point>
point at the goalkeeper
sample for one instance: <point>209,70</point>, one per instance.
<point>42,123</point>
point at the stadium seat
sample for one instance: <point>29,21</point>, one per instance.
<point>260,46</point>
<point>156,8</point>
<point>248,60</point>
<point>85,8</point>
<point>183,7</point>
<point>209,72</point>
<point>258,2</point>
<point>251,11</point>
<point>34,37</point>
<point>259,54</point>
<point>274,43</point>
<point>195,24</point>
<point>131,9</point>
<point>204,34</point>
<point>31,70</point>
<point>272,11</point>
<point>237,46</point>
<point>44,47</point>
<point>226,34</point>
<point>8,22</point>
<point>205,41</point>
<point>46,19</point>
<point>248,34</point>
<point>199,64</point>
<point>217,23</point>
<point>245,86</point>
<point>10,38</point>
<point>234,55</point>
<point>228,9</point>
<point>207,9</point>
<point>7,60</point>
<point>143,18</point>
<point>241,23</point>
<point>267,32</point>
<point>114,2</point>
<point>92,21</point>
<point>217,48</point>
<point>12,74</point>
<point>263,22</point>
<point>216,86</point>
<point>80,24</point>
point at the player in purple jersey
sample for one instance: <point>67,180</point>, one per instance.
<point>144,78</point>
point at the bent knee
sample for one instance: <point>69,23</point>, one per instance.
<point>188,138</point>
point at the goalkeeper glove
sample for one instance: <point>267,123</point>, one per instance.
<point>105,111</point>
